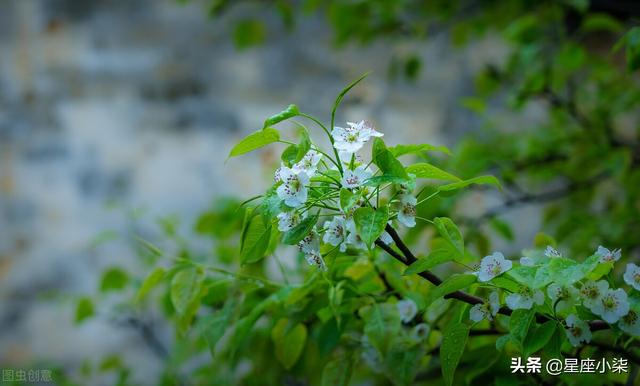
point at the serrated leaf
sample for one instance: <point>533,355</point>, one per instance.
<point>454,340</point>
<point>185,288</point>
<point>290,112</point>
<point>434,258</point>
<point>400,150</point>
<point>450,232</point>
<point>289,342</point>
<point>150,282</point>
<point>297,233</point>
<point>255,141</point>
<point>480,180</point>
<point>425,170</point>
<point>370,223</point>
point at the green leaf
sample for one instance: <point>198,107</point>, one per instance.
<point>387,162</point>
<point>297,233</point>
<point>382,322</point>
<point>425,170</point>
<point>289,342</point>
<point>633,48</point>
<point>601,22</point>
<point>370,223</point>
<point>337,372</point>
<point>255,241</point>
<point>519,323</point>
<point>215,325</point>
<point>343,93</point>
<point>84,309</point>
<point>150,282</point>
<point>113,279</point>
<point>185,288</point>
<point>435,258</point>
<point>400,150</point>
<point>454,340</point>
<point>502,228</point>
<point>450,232</point>
<point>384,179</point>
<point>402,363</point>
<point>538,337</point>
<point>481,180</point>
<point>255,141</point>
<point>249,32</point>
<point>348,199</point>
<point>451,284</point>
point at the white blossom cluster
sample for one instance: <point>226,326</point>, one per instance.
<point>294,182</point>
<point>610,304</point>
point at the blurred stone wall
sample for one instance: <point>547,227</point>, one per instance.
<point>112,106</point>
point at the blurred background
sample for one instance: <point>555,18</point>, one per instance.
<point>117,116</point>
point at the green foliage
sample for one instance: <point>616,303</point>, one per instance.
<point>370,223</point>
<point>255,141</point>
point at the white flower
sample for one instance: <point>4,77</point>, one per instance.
<point>407,309</point>
<point>336,233</point>
<point>352,138</point>
<point>315,258</point>
<point>612,306</point>
<point>527,261</point>
<point>407,213</point>
<point>310,243</point>
<point>486,310</point>
<point>630,323</point>
<point>277,176</point>
<point>293,189</point>
<point>288,220</point>
<point>563,298</point>
<point>386,238</point>
<point>308,163</point>
<point>607,255</point>
<point>352,236</point>
<point>420,332</point>
<point>577,330</point>
<point>492,266</point>
<point>591,292</point>
<point>525,298</point>
<point>551,252</point>
<point>354,178</point>
<point>632,276</point>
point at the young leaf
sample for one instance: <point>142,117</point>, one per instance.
<point>347,199</point>
<point>185,287</point>
<point>435,258</point>
<point>337,372</point>
<point>370,223</point>
<point>386,162</point>
<point>297,233</point>
<point>290,112</point>
<point>84,309</point>
<point>454,340</point>
<point>400,150</point>
<point>481,180</point>
<point>255,141</point>
<point>425,170</point>
<point>289,342</point>
<point>450,232</point>
<point>149,282</point>
<point>342,94</point>
<point>113,279</point>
